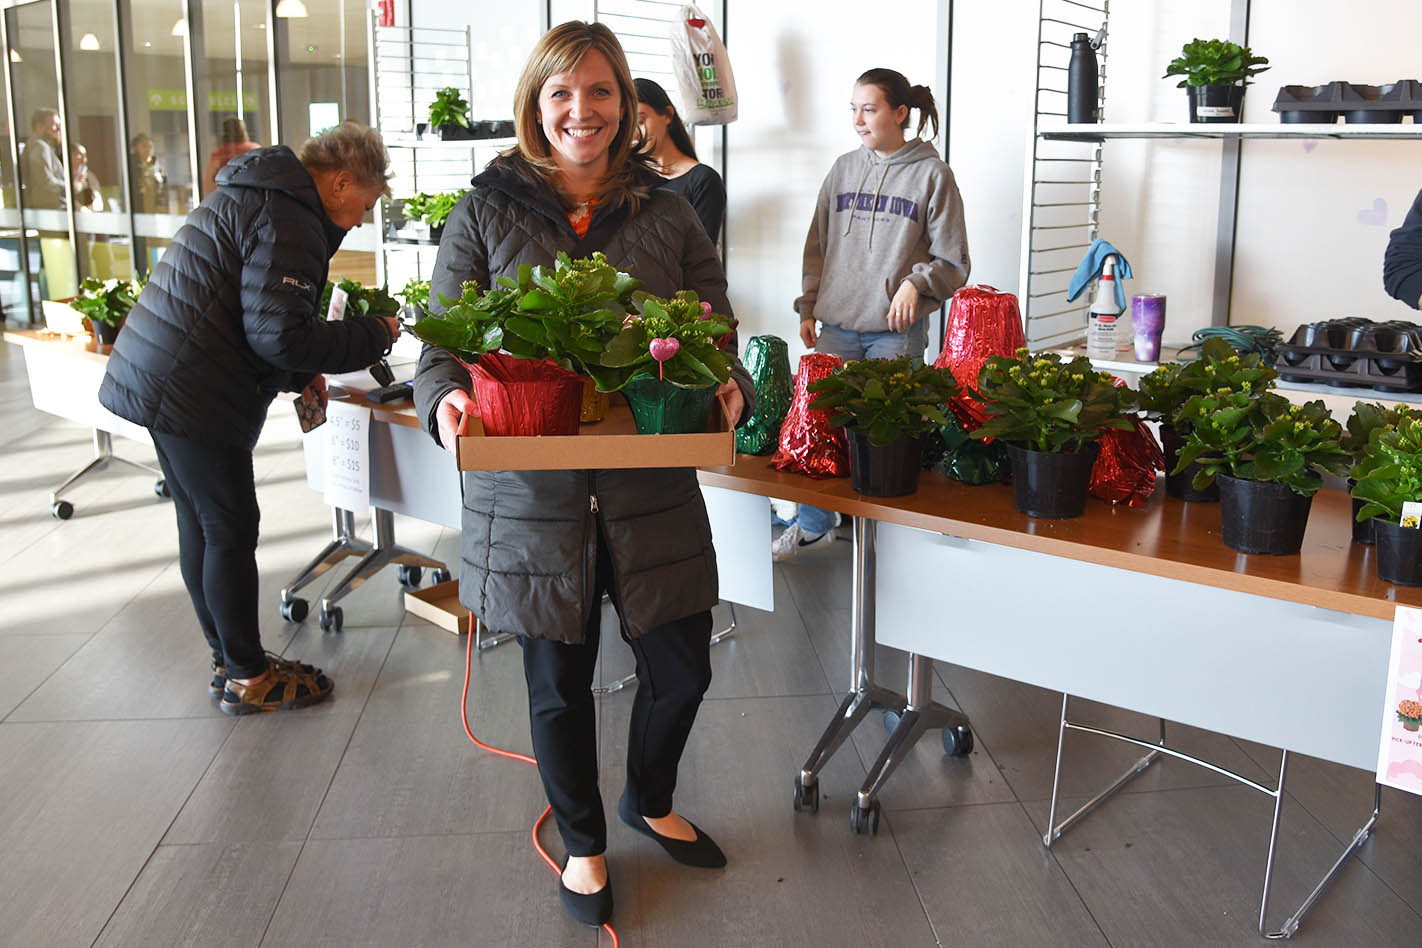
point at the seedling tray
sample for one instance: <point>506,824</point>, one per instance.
<point>1354,351</point>
<point>1383,105</point>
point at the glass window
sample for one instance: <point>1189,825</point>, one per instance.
<point>230,75</point>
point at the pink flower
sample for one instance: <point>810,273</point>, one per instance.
<point>705,310</point>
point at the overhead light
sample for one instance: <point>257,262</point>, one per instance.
<point>147,43</point>
<point>291,9</point>
<point>15,56</point>
<point>261,26</point>
<point>89,41</point>
<point>180,28</point>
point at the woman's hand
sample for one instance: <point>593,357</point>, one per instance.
<point>903,307</point>
<point>392,327</point>
<point>807,333</point>
<point>316,388</point>
<point>730,392</point>
<point>448,415</point>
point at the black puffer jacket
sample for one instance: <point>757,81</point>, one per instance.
<point>230,316</point>
<point>529,537</point>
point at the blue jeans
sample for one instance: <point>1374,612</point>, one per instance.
<point>852,345</point>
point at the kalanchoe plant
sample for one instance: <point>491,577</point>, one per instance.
<point>886,399</point>
<point>1389,472</point>
<point>416,293</point>
<point>107,301</point>
<point>449,108</point>
<point>1367,417</point>
<point>1215,63</point>
<point>1262,438</point>
<point>1048,405</point>
<point>433,209</point>
<point>361,300</point>
<point>673,339</point>
<point>1219,369</point>
<point>473,324</point>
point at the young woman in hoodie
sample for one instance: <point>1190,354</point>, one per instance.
<point>887,246</point>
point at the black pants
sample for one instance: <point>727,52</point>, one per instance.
<point>215,497</point>
<point>673,673</point>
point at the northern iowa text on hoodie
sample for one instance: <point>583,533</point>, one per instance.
<point>880,221</point>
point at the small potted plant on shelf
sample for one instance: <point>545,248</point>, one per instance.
<point>416,296</point>
<point>1165,391</point>
<point>106,304</point>
<point>1051,415</point>
<point>1365,419</point>
<point>1409,712</point>
<point>432,209</point>
<point>887,407</point>
<point>1387,476</point>
<point>1269,456</point>
<point>1215,74</point>
<point>449,116</point>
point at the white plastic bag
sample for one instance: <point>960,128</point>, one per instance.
<point>703,70</point>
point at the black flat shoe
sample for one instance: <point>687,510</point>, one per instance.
<point>593,909</point>
<point>701,852</point>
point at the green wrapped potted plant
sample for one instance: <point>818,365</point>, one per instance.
<point>1366,418</point>
<point>1052,416</point>
<point>1387,475</point>
<point>449,117</point>
<point>106,304</point>
<point>887,407</point>
<point>1269,456</point>
<point>1215,74</point>
<point>1165,391</point>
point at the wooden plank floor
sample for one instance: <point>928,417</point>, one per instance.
<point>133,813</point>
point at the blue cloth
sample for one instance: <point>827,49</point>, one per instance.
<point>1090,269</point>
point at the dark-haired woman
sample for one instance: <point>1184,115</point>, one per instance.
<point>887,246</point>
<point>539,548</point>
<point>666,142</point>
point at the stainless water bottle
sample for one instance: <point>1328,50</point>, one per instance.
<point>1082,81</point>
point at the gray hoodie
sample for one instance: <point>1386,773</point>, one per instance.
<point>878,222</point>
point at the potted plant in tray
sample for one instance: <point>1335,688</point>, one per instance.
<point>887,406</point>
<point>1215,74</point>
<point>1165,391</point>
<point>449,116</point>
<point>1269,456</point>
<point>1388,475</point>
<point>106,303</point>
<point>1051,415</point>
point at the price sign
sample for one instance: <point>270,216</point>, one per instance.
<point>347,456</point>
<point>337,310</point>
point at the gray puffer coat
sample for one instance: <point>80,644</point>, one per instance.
<point>529,545</point>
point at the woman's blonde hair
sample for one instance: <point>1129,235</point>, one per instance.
<point>350,146</point>
<point>558,51</point>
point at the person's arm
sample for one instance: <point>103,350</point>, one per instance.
<point>948,265</point>
<point>708,199</point>
<point>812,264</point>
<point>441,382</point>
<point>702,273</point>
<point>1402,262</point>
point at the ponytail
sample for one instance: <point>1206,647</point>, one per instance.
<point>897,92</point>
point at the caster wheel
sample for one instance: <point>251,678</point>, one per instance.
<point>863,820</point>
<point>160,487</point>
<point>409,576</point>
<point>440,576</point>
<point>61,510</point>
<point>807,797</point>
<point>295,610</point>
<point>331,621</point>
<point>957,741</point>
<point>891,720</point>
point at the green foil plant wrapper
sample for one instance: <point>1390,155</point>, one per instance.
<point>767,359</point>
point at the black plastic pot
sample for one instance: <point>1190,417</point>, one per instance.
<point>1051,486</point>
<point>1362,532</point>
<point>1182,485</point>
<point>890,470</point>
<point>1259,517</point>
<point>1399,553</point>
<point>104,334</point>
<point>1216,103</point>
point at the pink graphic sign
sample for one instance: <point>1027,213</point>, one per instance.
<point>1400,751</point>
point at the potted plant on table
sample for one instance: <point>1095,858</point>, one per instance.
<point>1269,456</point>
<point>1366,418</point>
<point>449,116</point>
<point>1389,474</point>
<point>1215,74</point>
<point>886,406</point>
<point>106,304</point>
<point>1051,415</point>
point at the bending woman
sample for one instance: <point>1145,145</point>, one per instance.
<point>539,548</point>
<point>666,142</point>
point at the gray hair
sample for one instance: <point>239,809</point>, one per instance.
<point>350,146</point>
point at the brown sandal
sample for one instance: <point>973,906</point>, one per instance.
<point>287,685</point>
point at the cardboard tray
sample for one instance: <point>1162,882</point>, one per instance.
<point>610,443</point>
<point>440,605</point>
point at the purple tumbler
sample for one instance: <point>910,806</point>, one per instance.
<point>1148,319</point>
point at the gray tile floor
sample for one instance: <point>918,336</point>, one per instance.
<point>133,813</point>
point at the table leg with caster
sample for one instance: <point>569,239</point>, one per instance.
<point>61,509</point>
<point>343,543</point>
<point>384,552</point>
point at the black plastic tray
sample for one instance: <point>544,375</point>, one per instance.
<point>1380,105</point>
<point>1354,351</point>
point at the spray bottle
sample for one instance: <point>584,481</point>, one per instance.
<point>1102,316</point>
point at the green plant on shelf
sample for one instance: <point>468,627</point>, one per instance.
<point>449,108</point>
<point>886,399</point>
<point>433,209</point>
<point>1389,470</point>
<point>1047,405</point>
<point>416,293</point>
<point>1215,63</point>
<point>1262,437</point>
<point>107,301</point>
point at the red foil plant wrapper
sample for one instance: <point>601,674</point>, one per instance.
<point>525,396</point>
<point>982,323</point>
<point>1125,468</point>
<point>807,442</point>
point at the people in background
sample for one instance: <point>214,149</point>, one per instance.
<point>234,142</point>
<point>886,247</point>
<point>228,320</point>
<point>540,548</point>
<point>666,142</point>
<point>147,174</point>
<point>41,164</point>
<point>1402,262</point>
<point>88,195</point>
